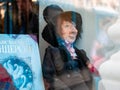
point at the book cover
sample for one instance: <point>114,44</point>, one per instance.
<point>19,55</point>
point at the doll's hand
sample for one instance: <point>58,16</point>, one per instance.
<point>93,69</point>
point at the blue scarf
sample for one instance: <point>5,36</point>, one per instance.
<point>69,46</point>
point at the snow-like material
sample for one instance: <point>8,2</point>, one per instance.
<point>114,31</point>
<point>109,70</point>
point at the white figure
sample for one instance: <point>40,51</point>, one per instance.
<point>109,70</point>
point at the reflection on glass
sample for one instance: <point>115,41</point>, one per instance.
<point>20,17</point>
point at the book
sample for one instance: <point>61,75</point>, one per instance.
<point>19,55</point>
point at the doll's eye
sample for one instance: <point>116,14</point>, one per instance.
<point>67,25</point>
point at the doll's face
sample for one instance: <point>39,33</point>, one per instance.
<point>67,31</point>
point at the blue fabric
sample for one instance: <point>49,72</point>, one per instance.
<point>62,42</point>
<point>68,46</point>
<point>70,64</point>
